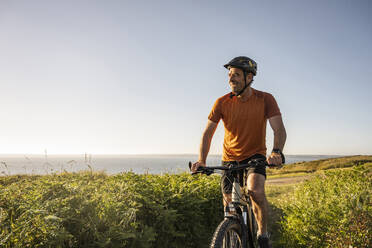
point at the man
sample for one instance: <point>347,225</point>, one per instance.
<point>245,112</point>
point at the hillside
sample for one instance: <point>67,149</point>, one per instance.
<point>323,164</point>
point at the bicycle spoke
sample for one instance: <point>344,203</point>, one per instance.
<point>232,240</point>
<point>227,240</point>
<point>226,243</point>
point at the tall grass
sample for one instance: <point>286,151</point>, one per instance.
<point>333,209</point>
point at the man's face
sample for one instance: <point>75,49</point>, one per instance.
<point>236,79</point>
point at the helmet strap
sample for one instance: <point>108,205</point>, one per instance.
<point>245,86</point>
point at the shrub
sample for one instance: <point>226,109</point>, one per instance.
<point>96,210</point>
<point>330,210</point>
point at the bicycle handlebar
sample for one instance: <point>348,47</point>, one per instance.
<point>210,169</point>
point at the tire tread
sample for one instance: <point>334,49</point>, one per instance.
<point>221,229</point>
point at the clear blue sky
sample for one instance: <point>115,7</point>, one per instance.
<point>141,76</point>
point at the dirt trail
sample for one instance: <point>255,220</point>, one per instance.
<point>275,212</point>
<point>286,180</point>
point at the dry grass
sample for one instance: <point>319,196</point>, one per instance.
<point>323,164</point>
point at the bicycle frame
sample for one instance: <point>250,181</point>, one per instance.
<point>240,207</point>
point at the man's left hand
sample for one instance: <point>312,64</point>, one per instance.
<point>275,159</point>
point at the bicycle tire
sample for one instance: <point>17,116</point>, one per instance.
<point>252,229</point>
<point>229,227</point>
<point>255,228</point>
<point>252,232</point>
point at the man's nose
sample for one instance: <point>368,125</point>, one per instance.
<point>232,79</point>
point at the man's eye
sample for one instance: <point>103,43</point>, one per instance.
<point>234,75</point>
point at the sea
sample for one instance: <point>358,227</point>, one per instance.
<point>113,164</point>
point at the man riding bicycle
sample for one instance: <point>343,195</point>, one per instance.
<point>245,112</point>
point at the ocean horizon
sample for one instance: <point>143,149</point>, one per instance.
<point>35,164</point>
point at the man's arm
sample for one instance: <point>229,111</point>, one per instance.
<point>205,144</point>
<point>280,136</point>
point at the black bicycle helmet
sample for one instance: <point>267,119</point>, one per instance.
<point>246,65</point>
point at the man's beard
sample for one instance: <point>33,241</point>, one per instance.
<point>235,88</point>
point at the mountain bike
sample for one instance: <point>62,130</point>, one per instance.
<point>239,227</point>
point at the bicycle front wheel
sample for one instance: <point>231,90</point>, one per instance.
<point>252,230</point>
<point>228,235</point>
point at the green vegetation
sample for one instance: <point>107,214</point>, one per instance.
<point>274,195</point>
<point>331,209</point>
<point>96,210</point>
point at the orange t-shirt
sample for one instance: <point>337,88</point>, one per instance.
<point>245,123</point>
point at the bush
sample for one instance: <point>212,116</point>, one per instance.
<point>96,210</point>
<point>330,210</point>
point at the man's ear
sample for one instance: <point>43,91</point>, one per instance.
<point>249,77</point>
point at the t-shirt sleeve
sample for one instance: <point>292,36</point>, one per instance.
<point>215,115</point>
<point>271,107</point>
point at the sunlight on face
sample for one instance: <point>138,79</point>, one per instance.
<point>236,79</point>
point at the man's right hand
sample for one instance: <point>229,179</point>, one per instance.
<point>195,166</point>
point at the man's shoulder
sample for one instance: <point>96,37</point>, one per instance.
<point>261,94</point>
<point>224,98</point>
<point>258,93</point>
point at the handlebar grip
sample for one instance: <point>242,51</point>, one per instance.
<point>274,166</point>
